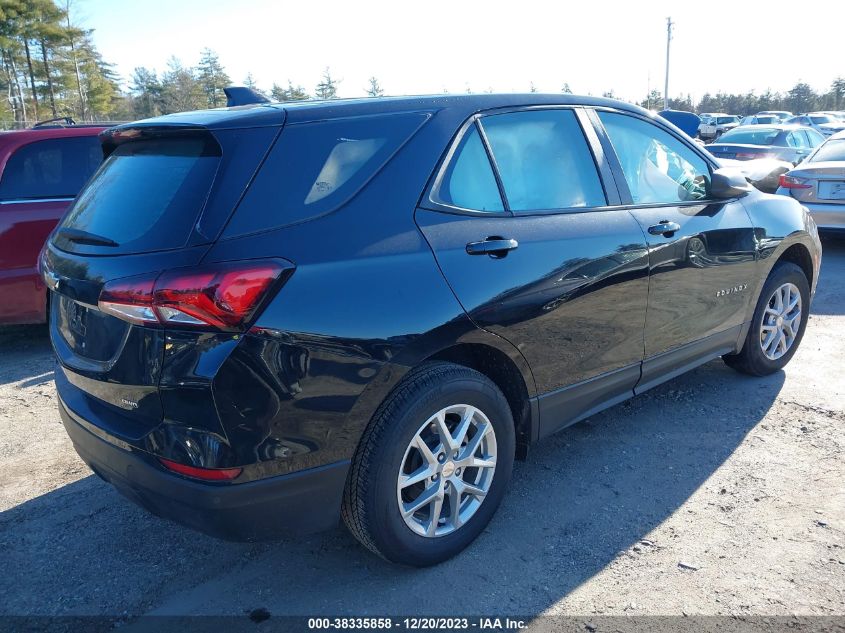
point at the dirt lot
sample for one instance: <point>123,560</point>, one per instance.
<point>713,494</point>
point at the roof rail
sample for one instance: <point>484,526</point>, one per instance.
<point>241,95</point>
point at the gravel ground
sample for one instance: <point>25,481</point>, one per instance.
<point>712,494</point>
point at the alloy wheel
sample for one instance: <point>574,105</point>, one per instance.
<point>447,470</point>
<point>781,321</point>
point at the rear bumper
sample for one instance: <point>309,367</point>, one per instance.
<point>298,503</point>
<point>826,216</point>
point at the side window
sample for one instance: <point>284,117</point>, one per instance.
<point>658,167</point>
<point>468,181</point>
<point>543,160</point>
<point>316,167</point>
<point>816,139</point>
<point>793,139</point>
<point>54,168</point>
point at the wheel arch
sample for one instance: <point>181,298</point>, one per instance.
<point>475,348</point>
<point>503,371</point>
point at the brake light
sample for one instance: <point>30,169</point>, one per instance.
<point>224,296</point>
<point>791,182</point>
<point>206,474</point>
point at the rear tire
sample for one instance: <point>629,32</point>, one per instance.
<point>440,410</point>
<point>776,331</point>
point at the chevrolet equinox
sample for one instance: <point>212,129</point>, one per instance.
<point>272,316</point>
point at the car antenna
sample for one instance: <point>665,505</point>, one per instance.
<point>241,95</point>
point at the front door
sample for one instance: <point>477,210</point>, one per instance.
<point>701,251</point>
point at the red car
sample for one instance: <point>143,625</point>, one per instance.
<point>41,171</point>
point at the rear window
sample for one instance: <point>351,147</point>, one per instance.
<point>316,167</point>
<point>53,168</point>
<point>726,119</point>
<point>763,136</point>
<point>832,150</point>
<point>819,120</point>
<point>147,195</point>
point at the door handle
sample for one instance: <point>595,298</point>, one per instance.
<point>495,247</point>
<point>664,228</point>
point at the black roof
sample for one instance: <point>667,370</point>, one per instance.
<point>299,111</point>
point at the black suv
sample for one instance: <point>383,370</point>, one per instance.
<point>268,317</point>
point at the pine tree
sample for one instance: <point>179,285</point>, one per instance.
<point>374,89</point>
<point>212,78</point>
<point>327,88</point>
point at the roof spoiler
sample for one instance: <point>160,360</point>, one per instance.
<point>241,95</point>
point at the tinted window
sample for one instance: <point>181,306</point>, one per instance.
<point>832,150</point>
<point>315,167</point>
<point>55,168</point>
<point>468,181</point>
<point>543,160</point>
<point>818,120</point>
<point>726,119</point>
<point>658,167</point>
<point>758,136</point>
<point>147,194</point>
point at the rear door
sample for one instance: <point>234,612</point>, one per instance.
<point>701,251</point>
<point>527,236</point>
<point>38,182</point>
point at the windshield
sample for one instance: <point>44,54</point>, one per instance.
<point>818,120</point>
<point>832,150</point>
<point>726,119</point>
<point>745,136</point>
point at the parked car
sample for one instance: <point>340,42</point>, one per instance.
<point>269,317</point>
<point>763,173</point>
<point>41,171</point>
<point>760,119</point>
<point>819,183</point>
<point>781,114</point>
<point>717,125</point>
<point>825,124</point>
<point>791,143</point>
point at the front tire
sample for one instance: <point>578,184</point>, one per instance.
<point>432,466</point>
<point>778,324</point>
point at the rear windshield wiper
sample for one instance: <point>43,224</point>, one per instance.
<point>84,237</point>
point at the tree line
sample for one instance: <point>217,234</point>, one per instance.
<point>51,68</point>
<point>800,98</point>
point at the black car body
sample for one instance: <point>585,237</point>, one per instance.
<point>791,143</point>
<point>238,294</point>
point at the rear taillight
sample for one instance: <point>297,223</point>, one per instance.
<point>791,182</point>
<point>224,296</point>
<point>206,474</point>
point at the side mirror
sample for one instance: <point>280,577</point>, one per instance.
<point>728,183</point>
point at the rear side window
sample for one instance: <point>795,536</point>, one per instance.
<point>816,139</point>
<point>148,194</point>
<point>316,167</point>
<point>54,168</point>
<point>543,160</point>
<point>468,181</point>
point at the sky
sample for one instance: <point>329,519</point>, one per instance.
<point>455,46</point>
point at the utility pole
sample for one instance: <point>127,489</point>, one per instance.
<point>669,25</point>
